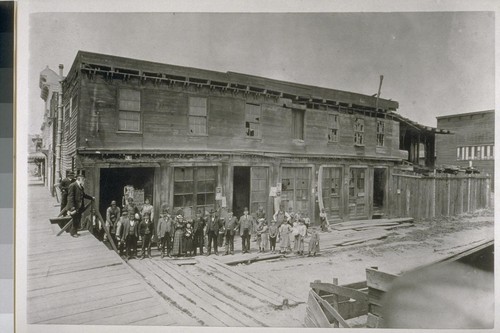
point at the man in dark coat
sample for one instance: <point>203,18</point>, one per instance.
<point>146,230</point>
<point>76,204</point>
<point>246,229</point>
<point>165,231</point>
<point>230,227</point>
<point>213,225</point>
<point>131,234</point>
<point>199,225</point>
<point>64,187</point>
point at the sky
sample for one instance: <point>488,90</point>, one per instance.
<point>433,63</point>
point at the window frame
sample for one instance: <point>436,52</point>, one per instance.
<point>122,111</point>
<point>333,126</point>
<point>251,119</point>
<point>380,133</point>
<point>298,113</point>
<point>359,131</point>
<point>192,116</point>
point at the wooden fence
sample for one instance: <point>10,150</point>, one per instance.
<point>447,195</point>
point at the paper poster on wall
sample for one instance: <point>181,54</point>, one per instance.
<point>218,193</point>
<point>272,191</point>
<point>223,203</point>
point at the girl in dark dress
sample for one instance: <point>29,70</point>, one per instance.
<point>178,236</point>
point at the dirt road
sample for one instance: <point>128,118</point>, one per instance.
<point>405,248</point>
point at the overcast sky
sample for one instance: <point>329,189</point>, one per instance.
<point>433,63</point>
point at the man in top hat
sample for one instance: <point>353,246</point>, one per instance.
<point>76,204</point>
<point>246,229</point>
<point>64,187</point>
<point>112,216</point>
<point>213,225</point>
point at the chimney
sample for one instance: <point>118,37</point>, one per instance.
<point>61,67</point>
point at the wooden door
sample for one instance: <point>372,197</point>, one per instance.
<point>296,189</point>
<point>258,188</point>
<point>331,187</point>
<point>357,194</point>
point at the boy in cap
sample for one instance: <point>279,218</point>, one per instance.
<point>273,235</point>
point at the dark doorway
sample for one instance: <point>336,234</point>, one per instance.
<point>241,190</point>
<point>113,181</point>
<point>379,188</point>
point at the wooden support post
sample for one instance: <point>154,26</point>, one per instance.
<point>487,189</point>
<point>449,195</point>
<point>433,196</point>
<point>468,195</point>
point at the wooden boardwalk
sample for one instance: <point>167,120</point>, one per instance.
<point>79,281</point>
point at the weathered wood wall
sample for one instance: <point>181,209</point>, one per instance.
<point>426,197</point>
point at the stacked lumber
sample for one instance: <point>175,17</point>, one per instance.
<point>356,232</point>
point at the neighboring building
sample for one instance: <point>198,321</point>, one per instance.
<point>188,137</point>
<point>473,141</point>
<point>36,159</point>
<point>50,88</point>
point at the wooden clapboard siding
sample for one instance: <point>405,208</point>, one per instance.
<point>164,108</point>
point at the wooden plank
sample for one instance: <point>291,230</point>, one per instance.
<point>139,314</point>
<point>257,290</point>
<point>202,290</point>
<point>352,309</point>
<point>340,290</point>
<point>379,280</point>
<point>185,298</point>
<point>375,309</point>
<point>328,308</point>
<point>39,316</point>
<point>317,311</point>
<point>246,277</point>
<point>160,320</point>
<point>355,285</point>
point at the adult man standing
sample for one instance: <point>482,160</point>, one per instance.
<point>281,216</point>
<point>230,226</point>
<point>120,231</point>
<point>146,230</point>
<point>131,233</point>
<point>198,226</point>
<point>246,227</point>
<point>76,204</point>
<point>131,207</point>
<point>213,225</point>
<point>64,187</point>
<point>165,232</point>
<point>112,216</point>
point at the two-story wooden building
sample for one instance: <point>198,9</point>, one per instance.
<point>193,138</point>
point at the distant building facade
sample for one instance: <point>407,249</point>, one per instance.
<point>472,142</point>
<point>196,140</point>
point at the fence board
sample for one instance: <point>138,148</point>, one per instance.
<point>443,195</point>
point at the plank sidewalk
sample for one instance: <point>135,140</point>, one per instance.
<point>79,281</point>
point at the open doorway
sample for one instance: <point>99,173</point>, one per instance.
<point>379,191</point>
<point>241,190</point>
<point>113,180</point>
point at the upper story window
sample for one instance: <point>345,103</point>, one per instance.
<point>298,124</point>
<point>252,120</point>
<point>380,133</point>
<point>129,112</point>
<point>480,152</point>
<point>333,128</point>
<point>198,116</point>
<point>359,131</point>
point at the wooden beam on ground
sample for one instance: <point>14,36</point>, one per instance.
<point>379,280</point>
<point>341,291</point>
